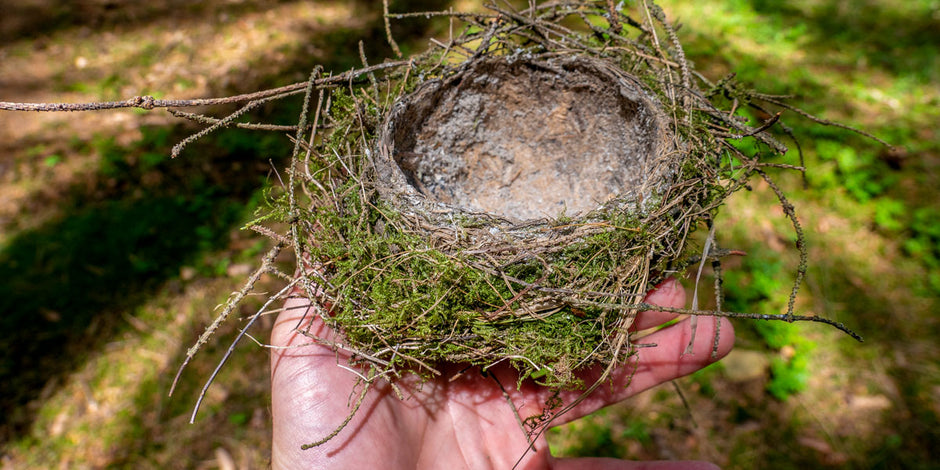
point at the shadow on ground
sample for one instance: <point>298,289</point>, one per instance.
<point>117,242</point>
<point>128,230</point>
<point>35,19</point>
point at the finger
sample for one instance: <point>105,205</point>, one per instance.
<point>669,293</point>
<point>306,383</point>
<point>615,464</point>
<point>293,347</point>
<point>300,320</point>
<point>657,364</point>
<point>295,316</point>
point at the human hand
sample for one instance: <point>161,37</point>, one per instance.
<point>466,423</point>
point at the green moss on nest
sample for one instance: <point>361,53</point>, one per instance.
<point>413,281</point>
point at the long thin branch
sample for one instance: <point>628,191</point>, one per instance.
<point>149,102</point>
<point>750,316</point>
<point>229,307</point>
<point>231,348</point>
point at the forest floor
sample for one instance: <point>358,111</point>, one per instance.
<point>115,257</point>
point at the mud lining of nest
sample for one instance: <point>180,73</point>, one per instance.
<point>525,139</point>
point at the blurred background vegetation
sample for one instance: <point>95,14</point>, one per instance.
<point>114,258</point>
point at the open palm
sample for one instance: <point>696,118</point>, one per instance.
<point>455,423</point>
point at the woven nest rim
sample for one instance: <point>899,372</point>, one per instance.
<point>649,146</point>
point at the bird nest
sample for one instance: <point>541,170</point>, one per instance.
<point>511,195</point>
<point>512,209</point>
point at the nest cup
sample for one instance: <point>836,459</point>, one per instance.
<point>522,140</point>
